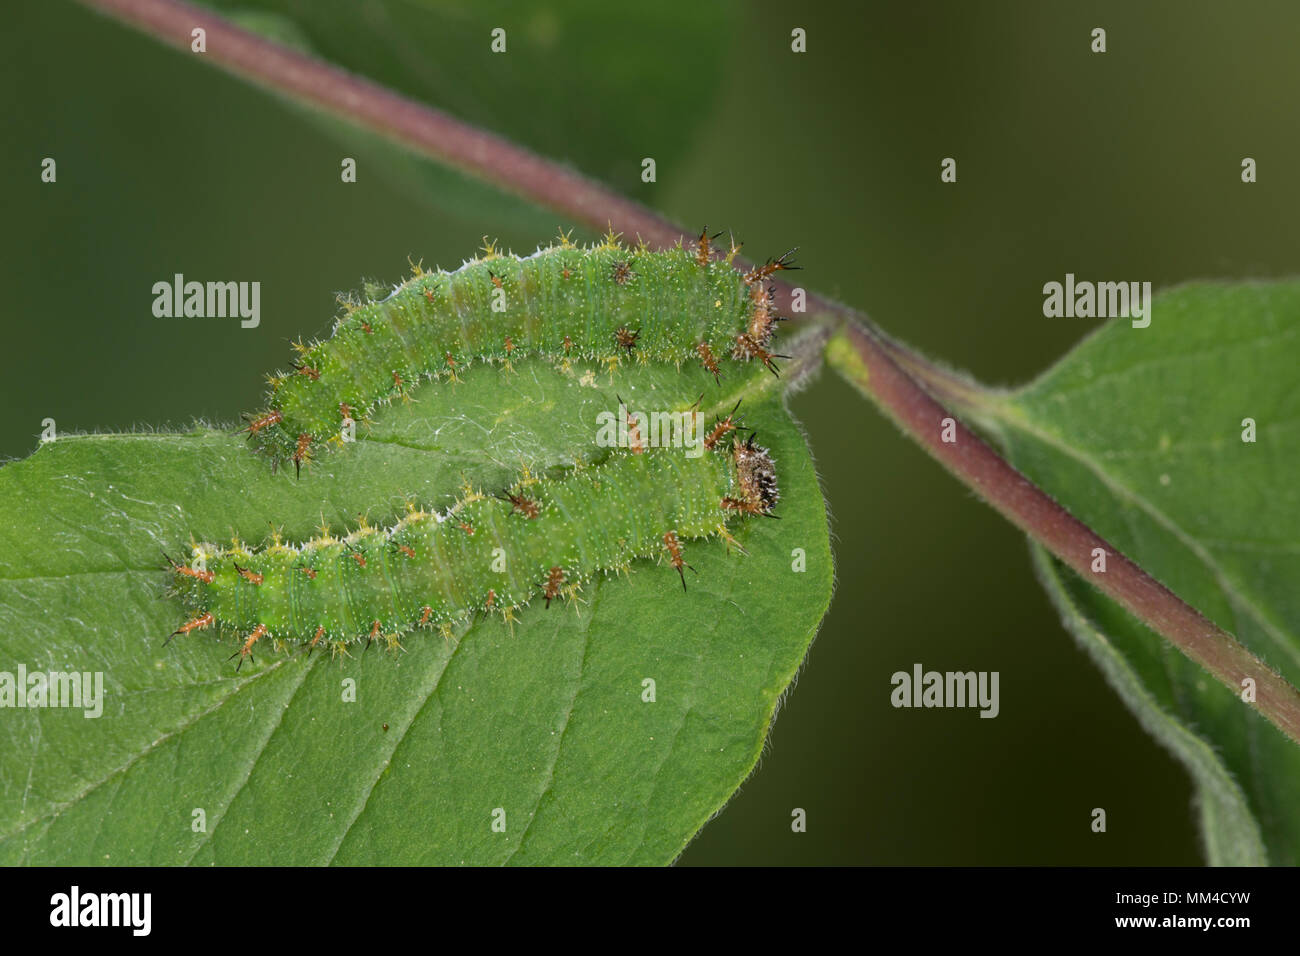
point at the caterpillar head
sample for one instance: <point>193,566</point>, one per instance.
<point>755,476</point>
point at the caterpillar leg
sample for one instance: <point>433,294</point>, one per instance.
<point>301,453</point>
<point>704,246</point>
<point>247,650</point>
<point>674,548</point>
<point>729,539</point>
<point>198,624</point>
<point>551,589</point>
<point>722,426</point>
<point>207,577</point>
<point>783,264</point>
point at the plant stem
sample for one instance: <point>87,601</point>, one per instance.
<point>428,131</point>
<point>861,356</point>
<point>882,369</point>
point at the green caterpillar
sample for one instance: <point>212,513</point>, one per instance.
<point>542,538</point>
<point>606,303</point>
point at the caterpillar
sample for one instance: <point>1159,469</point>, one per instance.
<point>607,303</point>
<point>542,538</point>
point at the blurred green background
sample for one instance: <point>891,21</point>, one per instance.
<point>1124,165</point>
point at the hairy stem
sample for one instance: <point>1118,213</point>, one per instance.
<point>886,371</point>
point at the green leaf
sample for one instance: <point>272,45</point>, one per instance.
<point>545,721</point>
<point>1139,431</point>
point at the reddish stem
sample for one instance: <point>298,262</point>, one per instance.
<point>1031,509</point>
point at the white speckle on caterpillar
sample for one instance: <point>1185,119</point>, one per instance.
<point>606,303</point>
<point>542,538</point>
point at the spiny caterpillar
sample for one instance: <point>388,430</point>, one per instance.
<point>607,303</point>
<point>542,538</point>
